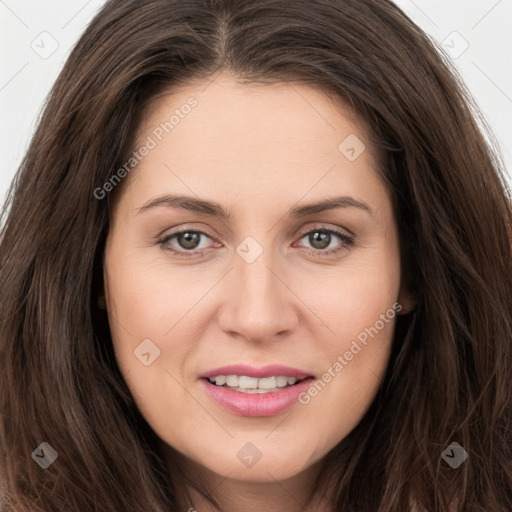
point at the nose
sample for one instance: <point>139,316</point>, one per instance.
<point>260,304</point>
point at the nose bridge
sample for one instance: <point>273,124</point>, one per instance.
<point>259,307</point>
<point>257,284</point>
<point>256,279</point>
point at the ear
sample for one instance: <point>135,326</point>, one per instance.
<point>101,302</point>
<point>407,299</point>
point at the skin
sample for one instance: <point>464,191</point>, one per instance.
<point>258,150</point>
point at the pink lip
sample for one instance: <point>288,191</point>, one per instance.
<point>273,370</point>
<point>264,404</point>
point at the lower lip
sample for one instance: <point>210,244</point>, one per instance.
<point>257,404</point>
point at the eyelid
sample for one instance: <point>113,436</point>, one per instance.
<point>183,228</point>
<point>345,236</point>
<point>300,232</point>
<point>325,227</point>
<point>163,238</point>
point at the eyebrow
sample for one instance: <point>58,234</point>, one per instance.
<point>214,209</point>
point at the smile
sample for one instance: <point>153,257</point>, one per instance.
<point>244,384</point>
<point>255,401</point>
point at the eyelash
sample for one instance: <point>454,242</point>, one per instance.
<point>347,242</point>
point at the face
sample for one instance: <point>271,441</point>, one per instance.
<point>284,288</point>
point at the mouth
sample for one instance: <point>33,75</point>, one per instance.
<point>248,391</point>
<point>253,385</point>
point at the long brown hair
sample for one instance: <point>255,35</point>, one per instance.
<point>449,376</point>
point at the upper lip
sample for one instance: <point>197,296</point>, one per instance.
<point>273,370</point>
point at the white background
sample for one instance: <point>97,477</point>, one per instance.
<point>29,28</point>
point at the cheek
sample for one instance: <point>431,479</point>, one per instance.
<point>359,313</point>
<point>353,297</point>
<point>148,299</point>
<point>149,316</point>
<point>145,312</point>
<point>354,367</point>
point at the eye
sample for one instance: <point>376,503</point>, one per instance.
<point>321,239</point>
<point>189,241</point>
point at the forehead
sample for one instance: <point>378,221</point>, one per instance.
<point>217,133</point>
<point>276,112</point>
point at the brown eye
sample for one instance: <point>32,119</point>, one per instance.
<point>321,239</point>
<point>188,239</point>
<point>186,242</point>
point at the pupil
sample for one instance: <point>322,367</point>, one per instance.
<point>186,242</point>
<point>324,242</point>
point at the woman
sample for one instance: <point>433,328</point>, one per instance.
<point>257,258</point>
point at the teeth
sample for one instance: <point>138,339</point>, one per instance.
<point>281,382</point>
<point>220,380</point>
<point>267,383</point>
<point>252,384</point>
<point>232,380</point>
